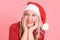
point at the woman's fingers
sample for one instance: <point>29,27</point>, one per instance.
<point>36,24</point>
<point>23,21</point>
<point>24,24</point>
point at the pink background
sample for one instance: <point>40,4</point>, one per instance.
<point>11,12</point>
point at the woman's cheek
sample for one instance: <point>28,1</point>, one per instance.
<point>35,19</point>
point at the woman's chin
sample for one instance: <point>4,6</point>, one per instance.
<point>29,25</point>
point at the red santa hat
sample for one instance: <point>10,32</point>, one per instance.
<point>40,12</point>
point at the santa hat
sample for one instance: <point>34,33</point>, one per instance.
<point>40,12</point>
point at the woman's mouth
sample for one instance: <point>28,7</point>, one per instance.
<point>29,22</point>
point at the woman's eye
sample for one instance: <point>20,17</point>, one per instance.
<point>25,14</point>
<point>33,15</point>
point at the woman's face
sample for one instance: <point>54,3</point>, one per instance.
<point>30,17</point>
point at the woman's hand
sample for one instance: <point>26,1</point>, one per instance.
<point>23,22</point>
<point>35,26</point>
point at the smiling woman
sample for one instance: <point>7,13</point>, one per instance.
<point>30,17</point>
<point>30,26</point>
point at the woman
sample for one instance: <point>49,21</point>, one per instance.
<point>30,26</point>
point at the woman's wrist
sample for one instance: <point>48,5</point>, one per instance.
<point>25,30</point>
<point>30,31</point>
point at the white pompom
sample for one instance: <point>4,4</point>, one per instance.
<point>45,26</point>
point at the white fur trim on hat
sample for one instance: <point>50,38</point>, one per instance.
<point>33,8</point>
<point>45,26</point>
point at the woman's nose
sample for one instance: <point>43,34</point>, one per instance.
<point>29,17</point>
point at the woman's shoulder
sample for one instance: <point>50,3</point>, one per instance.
<point>15,27</point>
<point>42,34</point>
<point>14,31</point>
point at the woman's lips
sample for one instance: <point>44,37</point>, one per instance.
<point>29,22</point>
